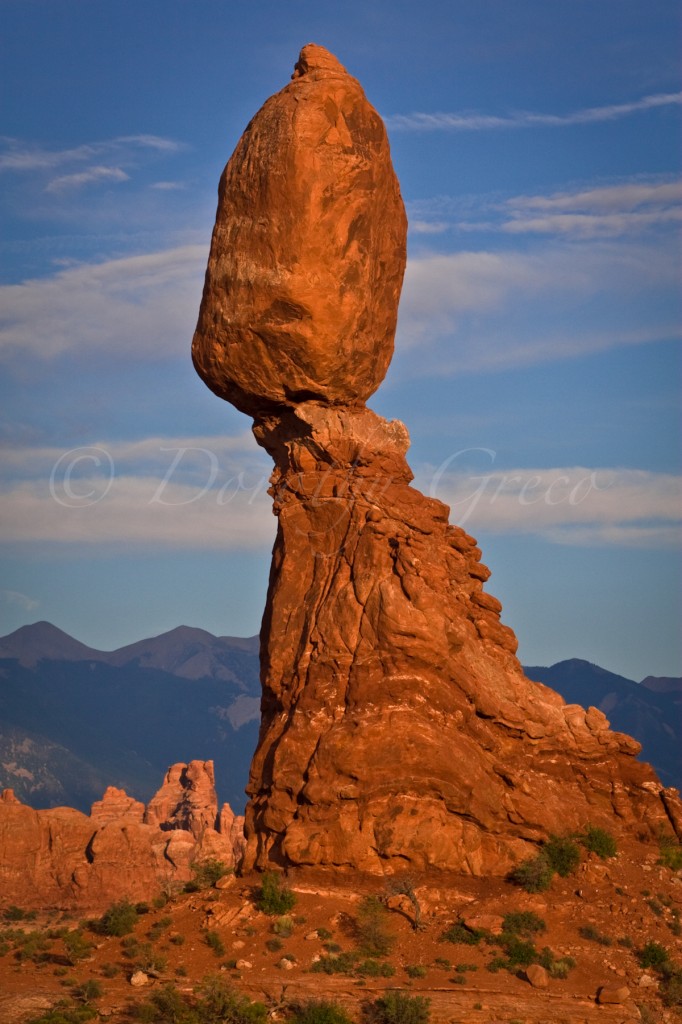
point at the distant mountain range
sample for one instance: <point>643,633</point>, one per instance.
<point>74,720</point>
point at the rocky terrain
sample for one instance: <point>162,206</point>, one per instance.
<point>598,931</point>
<point>63,858</point>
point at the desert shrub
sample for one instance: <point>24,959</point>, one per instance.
<point>626,942</point>
<point>520,952</point>
<point>88,990</point>
<point>109,970</point>
<point>331,947</point>
<point>160,901</point>
<point>344,963</point>
<point>119,919</point>
<point>653,954</point>
<point>177,939</point>
<point>207,872</point>
<point>274,897</point>
<point>458,933</point>
<point>214,1002</point>
<point>14,913</point>
<point>374,969</point>
<point>599,841</point>
<point>560,968</point>
<point>214,942</point>
<point>324,933</point>
<point>592,934</point>
<point>76,945</point>
<point>563,855</point>
<point>283,926</point>
<point>533,875</point>
<point>318,1011</point>
<point>396,1007</point>
<point>373,936</point>
<point>670,853</point>
<point>523,922</point>
<point>415,971</point>
<point>274,945</point>
<point>144,957</point>
<point>671,986</point>
<point>65,1012</point>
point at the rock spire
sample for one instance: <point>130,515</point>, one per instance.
<point>398,729</point>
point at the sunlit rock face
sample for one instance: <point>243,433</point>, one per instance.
<point>398,729</point>
<point>308,250</point>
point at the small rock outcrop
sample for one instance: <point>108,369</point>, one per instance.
<point>61,857</point>
<point>398,731</point>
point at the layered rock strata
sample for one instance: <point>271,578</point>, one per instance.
<point>398,729</point>
<point>61,857</point>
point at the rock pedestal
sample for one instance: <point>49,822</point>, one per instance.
<point>398,729</point>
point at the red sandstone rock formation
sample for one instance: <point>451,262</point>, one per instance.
<point>398,729</point>
<point>61,857</point>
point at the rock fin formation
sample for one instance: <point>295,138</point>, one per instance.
<point>398,729</point>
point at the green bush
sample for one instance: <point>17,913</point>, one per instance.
<point>523,922</point>
<point>207,873</point>
<point>653,954</point>
<point>65,1012</point>
<point>274,945</point>
<point>599,841</point>
<point>214,1002</point>
<point>396,1007</point>
<point>372,934</point>
<point>670,853</point>
<point>324,933</point>
<point>593,934</point>
<point>274,897</point>
<point>318,1011</point>
<point>118,920</point>
<point>88,990</point>
<point>533,875</point>
<point>671,986</point>
<point>459,934</point>
<point>344,963</point>
<point>214,942</point>
<point>14,913</point>
<point>563,855</point>
<point>415,971</point>
<point>76,945</point>
<point>560,968</point>
<point>284,926</point>
<point>374,969</point>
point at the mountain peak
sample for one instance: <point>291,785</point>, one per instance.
<point>38,640</point>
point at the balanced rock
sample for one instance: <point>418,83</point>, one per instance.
<point>399,732</point>
<point>308,251</point>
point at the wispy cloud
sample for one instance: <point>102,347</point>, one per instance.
<point>471,121</point>
<point>91,175</point>
<point>19,600</point>
<point>211,493</point>
<point>140,305</point>
<point>18,155</point>
<point>481,311</point>
<point>607,211</point>
<point>566,505</point>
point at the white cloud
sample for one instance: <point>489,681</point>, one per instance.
<point>89,176</point>
<point>478,311</point>
<point>587,213</point>
<point>14,597</point>
<point>22,156</point>
<point>211,493</point>
<point>424,122</point>
<point>567,505</point>
<point>142,306</point>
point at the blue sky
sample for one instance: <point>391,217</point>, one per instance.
<point>537,362</point>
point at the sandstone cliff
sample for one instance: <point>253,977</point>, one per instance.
<point>61,857</point>
<point>398,729</point>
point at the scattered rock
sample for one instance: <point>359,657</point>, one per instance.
<point>647,981</point>
<point>483,922</point>
<point>286,965</point>
<point>244,965</point>
<point>609,994</point>
<point>138,979</point>
<point>312,935</point>
<point>537,976</point>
